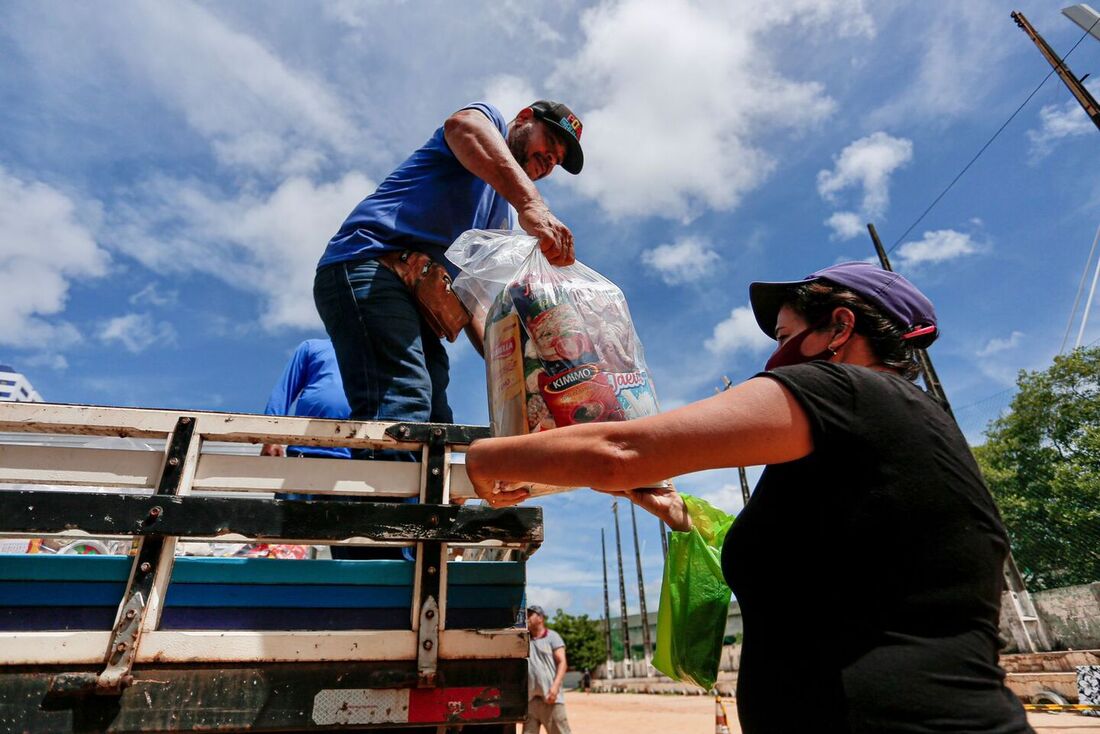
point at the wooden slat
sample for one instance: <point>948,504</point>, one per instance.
<point>308,476</point>
<point>79,466</point>
<point>483,644</point>
<point>75,648</point>
<point>232,427</point>
<point>47,465</point>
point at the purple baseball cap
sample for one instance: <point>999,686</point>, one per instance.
<point>895,296</point>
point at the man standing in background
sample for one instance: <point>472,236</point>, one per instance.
<point>546,666</point>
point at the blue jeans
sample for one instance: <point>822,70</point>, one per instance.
<point>394,367</point>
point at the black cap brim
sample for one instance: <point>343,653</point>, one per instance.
<point>766,300</point>
<point>574,156</point>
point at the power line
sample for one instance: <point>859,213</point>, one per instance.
<point>983,148</point>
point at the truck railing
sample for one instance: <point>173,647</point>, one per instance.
<point>186,492</point>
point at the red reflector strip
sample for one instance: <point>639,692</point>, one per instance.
<point>472,703</point>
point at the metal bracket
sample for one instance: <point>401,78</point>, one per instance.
<point>447,432</point>
<point>430,555</point>
<point>127,632</point>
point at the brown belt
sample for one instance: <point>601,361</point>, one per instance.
<point>430,286</point>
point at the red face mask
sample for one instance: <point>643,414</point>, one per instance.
<point>791,352</point>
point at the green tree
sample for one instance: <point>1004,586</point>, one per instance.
<point>1042,463</point>
<point>584,644</point>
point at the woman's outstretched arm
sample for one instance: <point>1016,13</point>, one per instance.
<point>757,422</point>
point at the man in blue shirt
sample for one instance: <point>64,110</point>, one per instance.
<point>466,175</point>
<point>309,386</point>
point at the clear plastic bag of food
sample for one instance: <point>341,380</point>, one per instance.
<point>560,347</point>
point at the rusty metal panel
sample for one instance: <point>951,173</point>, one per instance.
<point>258,698</point>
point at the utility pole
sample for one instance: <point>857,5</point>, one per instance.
<point>647,646</point>
<point>928,372</point>
<point>744,485</point>
<point>610,667</point>
<point>1027,629</point>
<point>628,654</point>
<point>1075,86</point>
<point>726,385</point>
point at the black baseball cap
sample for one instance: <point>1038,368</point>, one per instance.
<point>562,119</point>
<point>895,296</point>
<point>536,609</point>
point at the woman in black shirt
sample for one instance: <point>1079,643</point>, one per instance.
<point>870,524</point>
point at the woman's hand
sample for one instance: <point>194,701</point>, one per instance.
<point>490,489</point>
<point>665,504</point>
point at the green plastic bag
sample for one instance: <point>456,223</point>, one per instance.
<point>695,601</point>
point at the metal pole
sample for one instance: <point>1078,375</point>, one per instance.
<point>647,646</point>
<point>1088,303</point>
<point>1080,288</point>
<point>628,654</point>
<point>928,372</point>
<point>664,538</point>
<point>606,610</point>
<point>1022,600</point>
<point>726,385</point>
<point>1076,88</point>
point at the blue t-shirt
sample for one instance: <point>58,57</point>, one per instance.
<point>424,205</point>
<point>311,386</point>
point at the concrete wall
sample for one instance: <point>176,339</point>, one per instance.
<point>1071,615</point>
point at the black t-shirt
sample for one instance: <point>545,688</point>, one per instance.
<point>869,573</point>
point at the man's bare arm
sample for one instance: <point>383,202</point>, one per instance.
<point>477,144</point>
<point>563,665</point>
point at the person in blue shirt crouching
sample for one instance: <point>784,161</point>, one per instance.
<point>311,386</point>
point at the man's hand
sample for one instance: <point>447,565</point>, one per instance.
<point>552,696</point>
<point>555,239</point>
<point>272,449</point>
<point>665,504</point>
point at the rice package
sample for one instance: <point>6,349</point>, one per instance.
<point>560,347</point>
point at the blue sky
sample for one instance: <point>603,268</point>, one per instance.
<point>170,173</point>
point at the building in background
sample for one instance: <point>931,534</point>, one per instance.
<point>14,387</point>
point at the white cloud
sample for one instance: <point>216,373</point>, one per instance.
<point>45,244</point>
<point>154,295</point>
<point>867,164</point>
<point>258,111</point>
<point>957,44</point>
<point>50,360</point>
<point>936,247</point>
<point>136,332</point>
<point>510,94</point>
<point>727,497</point>
<point>687,260</point>
<point>739,333</point>
<point>266,245</point>
<point>1057,123</point>
<point>682,94</point>
<point>1001,344</point>
<point>845,225</point>
<point>550,599</point>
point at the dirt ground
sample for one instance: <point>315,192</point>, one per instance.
<point>652,714</point>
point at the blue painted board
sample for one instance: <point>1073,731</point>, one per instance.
<point>255,571</point>
<point>53,619</point>
<point>49,619</point>
<point>85,594</point>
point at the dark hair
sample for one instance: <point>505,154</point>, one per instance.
<point>815,301</point>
